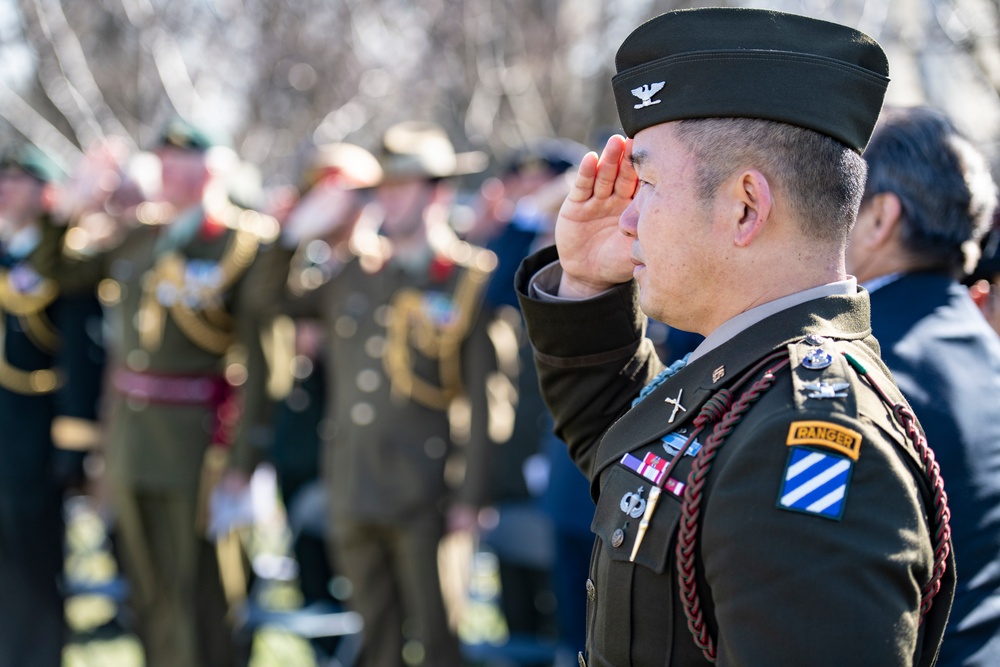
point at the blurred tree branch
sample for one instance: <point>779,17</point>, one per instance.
<point>281,75</point>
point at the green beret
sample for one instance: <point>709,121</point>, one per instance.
<point>183,134</point>
<point>751,63</point>
<point>34,162</point>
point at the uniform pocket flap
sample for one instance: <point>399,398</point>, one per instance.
<point>623,500</point>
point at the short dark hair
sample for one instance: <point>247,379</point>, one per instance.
<point>822,178</point>
<point>942,181</point>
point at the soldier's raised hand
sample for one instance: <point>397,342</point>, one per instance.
<point>592,250</point>
<point>324,210</point>
<point>97,175</point>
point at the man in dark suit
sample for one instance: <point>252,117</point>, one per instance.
<point>928,201</point>
<point>50,375</point>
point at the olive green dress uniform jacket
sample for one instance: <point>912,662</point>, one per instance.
<point>778,587</point>
<point>386,448</point>
<point>156,444</point>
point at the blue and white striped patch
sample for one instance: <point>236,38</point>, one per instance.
<point>815,483</point>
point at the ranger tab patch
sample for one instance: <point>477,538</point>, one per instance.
<point>825,434</point>
<point>815,483</point>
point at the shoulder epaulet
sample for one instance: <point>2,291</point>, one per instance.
<point>824,380</point>
<point>264,228</point>
<point>261,225</point>
<point>91,235</point>
<point>471,257</point>
<point>821,377</point>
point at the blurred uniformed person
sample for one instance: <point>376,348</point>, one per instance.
<point>406,342</point>
<point>187,390</point>
<point>761,504</point>
<point>50,376</point>
<point>928,201</point>
<point>301,388</point>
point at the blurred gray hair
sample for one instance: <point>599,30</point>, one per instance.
<point>942,181</point>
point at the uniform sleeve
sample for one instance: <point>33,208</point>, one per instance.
<point>479,363</point>
<point>74,276</point>
<point>80,359</point>
<point>591,357</point>
<point>267,290</point>
<point>253,327</point>
<point>803,586</point>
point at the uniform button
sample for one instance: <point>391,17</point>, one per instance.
<point>375,347</point>
<point>580,659</point>
<point>617,538</point>
<point>590,589</point>
<point>345,326</point>
<point>362,414</point>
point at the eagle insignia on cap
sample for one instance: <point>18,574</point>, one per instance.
<point>645,93</point>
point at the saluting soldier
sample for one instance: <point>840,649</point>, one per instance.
<point>406,341</point>
<point>51,365</point>
<point>771,501</point>
<point>186,388</point>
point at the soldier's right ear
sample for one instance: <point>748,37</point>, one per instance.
<point>752,201</point>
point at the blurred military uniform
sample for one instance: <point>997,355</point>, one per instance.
<point>406,337</point>
<point>187,401</point>
<point>50,378</point>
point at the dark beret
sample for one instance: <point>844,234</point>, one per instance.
<point>751,63</point>
<point>181,133</point>
<point>556,155</point>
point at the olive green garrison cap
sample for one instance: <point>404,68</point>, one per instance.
<point>751,63</point>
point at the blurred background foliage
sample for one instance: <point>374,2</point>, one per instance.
<point>278,76</point>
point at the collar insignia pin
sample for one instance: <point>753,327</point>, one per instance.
<point>676,402</point>
<point>645,93</point>
<point>826,389</point>
<point>718,373</point>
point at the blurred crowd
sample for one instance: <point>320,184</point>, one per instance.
<point>170,329</point>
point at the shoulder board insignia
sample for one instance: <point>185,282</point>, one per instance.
<point>825,434</point>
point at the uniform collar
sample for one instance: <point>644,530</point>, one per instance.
<point>881,281</point>
<point>181,231</point>
<point>835,314</point>
<point>744,320</point>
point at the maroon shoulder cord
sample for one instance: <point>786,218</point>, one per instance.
<point>721,411</point>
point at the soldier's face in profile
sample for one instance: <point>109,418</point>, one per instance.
<point>184,176</point>
<point>676,249</point>
<point>402,204</point>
